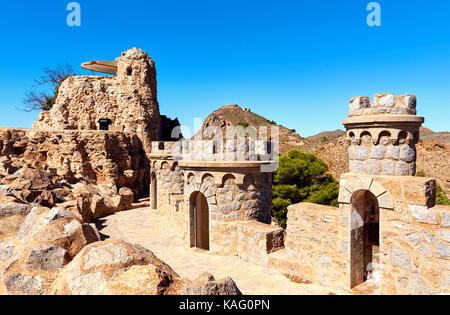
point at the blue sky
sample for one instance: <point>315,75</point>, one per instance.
<point>296,62</point>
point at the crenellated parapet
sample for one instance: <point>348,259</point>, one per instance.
<point>233,150</point>
<point>383,134</point>
<point>383,104</point>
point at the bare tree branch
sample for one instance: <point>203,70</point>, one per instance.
<point>36,99</point>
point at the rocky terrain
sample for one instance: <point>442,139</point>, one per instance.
<point>53,184</point>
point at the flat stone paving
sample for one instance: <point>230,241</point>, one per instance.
<point>154,232</point>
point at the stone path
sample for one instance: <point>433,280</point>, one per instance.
<point>153,231</point>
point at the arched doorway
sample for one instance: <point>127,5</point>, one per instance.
<point>153,191</point>
<point>199,221</point>
<point>365,238</point>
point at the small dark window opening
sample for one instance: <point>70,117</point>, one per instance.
<point>269,146</point>
<point>104,124</point>
<point>129,71</point>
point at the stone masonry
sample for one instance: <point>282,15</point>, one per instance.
<point>383,136</point>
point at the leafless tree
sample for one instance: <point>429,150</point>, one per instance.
<point>36,99</point>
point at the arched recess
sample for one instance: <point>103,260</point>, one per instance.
<point>249,182</point>
<point>208,179</point>
<point>366,137</point>
<point>153,191</point>
<point>384,137</point>
<point>364,238</point>
<point>199,220</point>
<point>228,179</point>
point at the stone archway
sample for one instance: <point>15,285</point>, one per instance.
<point>364,237</point>
<point>199,220</point>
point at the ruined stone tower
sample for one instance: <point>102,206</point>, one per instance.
<point>126,102</point>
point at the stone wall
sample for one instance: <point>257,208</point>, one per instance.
<point>385,157</point>
<point>235,192</point>
<point>414,233</point>
<point>110,158</point>
<point>241,196</point>
<point>249,240</point>
<point>317,244</point>
<point>170,190</point>
<point>128,99</point>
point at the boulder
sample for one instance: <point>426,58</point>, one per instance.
<point>11,225</point>
<point>116,268</point>
<point>47,240</point>
<point>127,197</point>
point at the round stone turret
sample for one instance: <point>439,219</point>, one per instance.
<point>383,135</point>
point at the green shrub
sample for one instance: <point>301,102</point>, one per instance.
<point>441,197</point>
<point>301,177</point>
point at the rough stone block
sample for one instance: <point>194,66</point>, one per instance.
<point>384,100</point>
<point>385,201</point>
<point>406,101</point>
<point>389,167</point>
<point>420,191</point>
<point>423,215</point>
<point>445,235</point>
<point>400,258</point>
<point>407,153</point>
<point>393,152</point>
<point>378,152</point>
<point>357,104</point>
<point>425,250</point>
<point>419,286</point>
<point>445,219</point>
<point>443,250</point>
<point>373,167</point>
<point>357,167</point>
<point>402,168</point>
<point>362,152</point>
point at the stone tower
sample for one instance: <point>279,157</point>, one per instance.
<point>383,136</point>
<point>389,218</point>
<point>214,189</point>
<point>127,101</point>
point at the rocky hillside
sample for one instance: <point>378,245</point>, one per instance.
<point>233,115</point>
<point>427,135</point>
